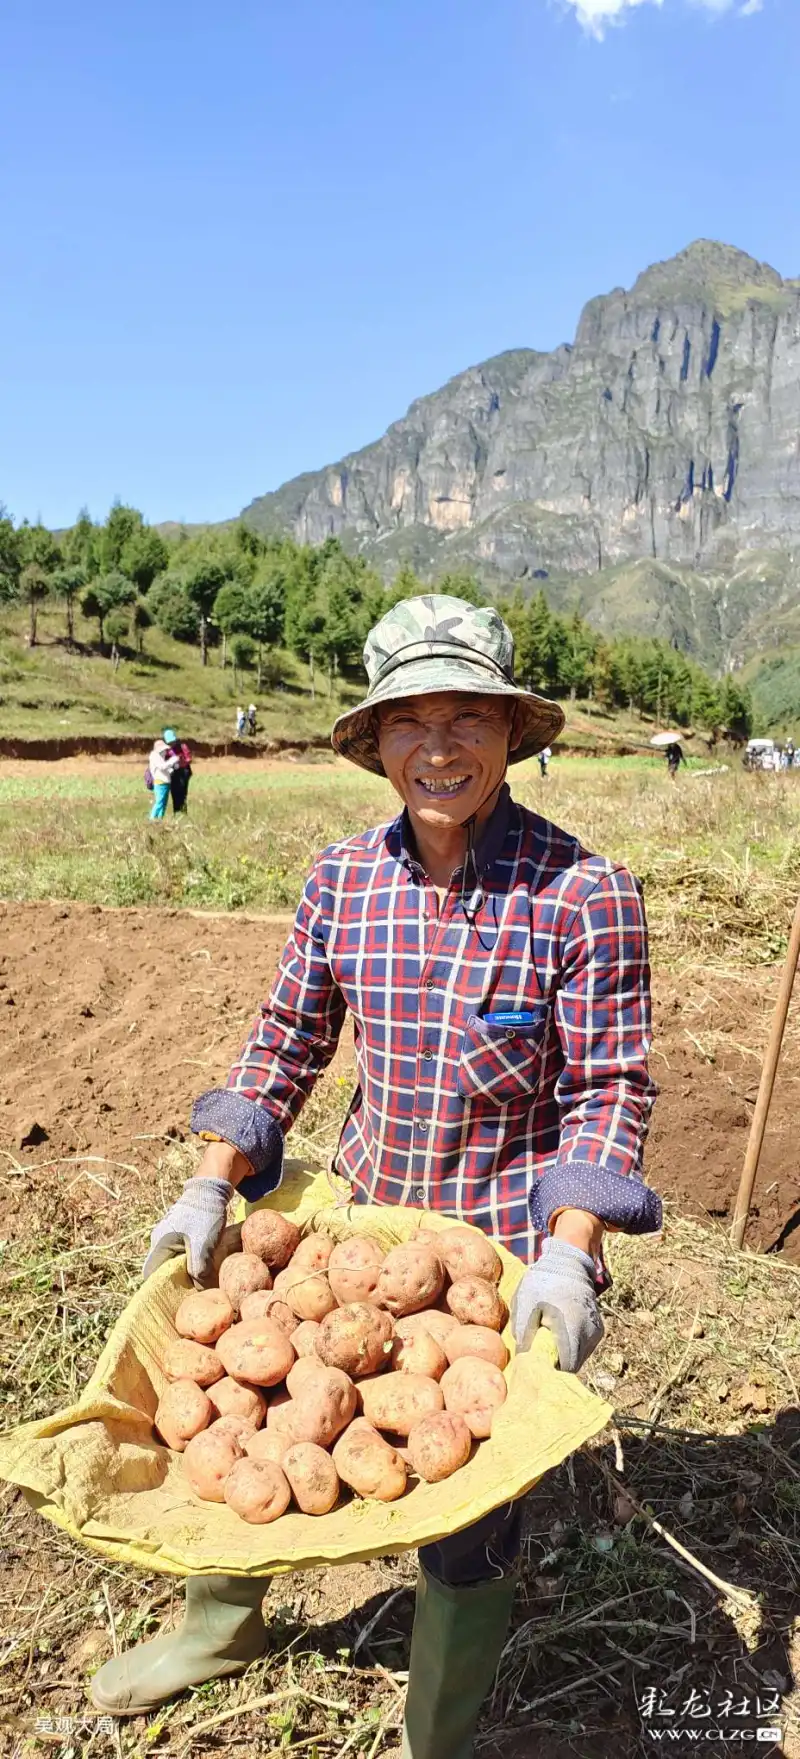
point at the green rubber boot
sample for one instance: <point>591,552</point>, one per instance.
<point>456,1645</point>
<point>222,1632</point>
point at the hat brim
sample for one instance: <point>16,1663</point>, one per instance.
<point>355,734</point>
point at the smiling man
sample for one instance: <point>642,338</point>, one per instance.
<point>497,977</point>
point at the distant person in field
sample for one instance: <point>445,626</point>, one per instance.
<point>544,760</point>
<point>241,723</point>
<point>675,757</point>
<point>251,718</point>
<point>182,774</point>
<point>161,764</point>
<point>789,749</point>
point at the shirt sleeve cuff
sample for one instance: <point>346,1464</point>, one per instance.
<point>620,1200</point>
<point>248,1127</point>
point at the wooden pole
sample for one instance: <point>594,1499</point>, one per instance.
<point>769,1068</point>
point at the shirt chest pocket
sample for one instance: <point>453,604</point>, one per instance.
<point>502,1063</point>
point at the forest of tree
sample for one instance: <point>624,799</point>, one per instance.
<point>240,597</point>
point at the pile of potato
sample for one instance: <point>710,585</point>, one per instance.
<point>315,1365</point>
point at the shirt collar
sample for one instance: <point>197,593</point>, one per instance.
<point>488,846</point>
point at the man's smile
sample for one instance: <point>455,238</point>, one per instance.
<point>443,784</point>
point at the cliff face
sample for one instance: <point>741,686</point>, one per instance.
<point>670,430</point>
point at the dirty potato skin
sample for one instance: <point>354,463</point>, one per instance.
<point>323,1408</point>
<point>418,1353</point>
<point>354,1268</point>
<point>465,1253</point>
<point>355,1338</point>
<point>411,1278</point>
<point>268,1444</point>
<point>368,1464</point>
<point>476,1340</point>
<point>243,1275</point>
<point>398,1401</point>
<point>265,1304</point>
<point>207,1460</point>
<point>184,1360</point>
<point>313,1478</point>
<point>231,1398</point>
<point>475,1301</point>
<point>258,1491</point>
<point>204,1315</point>
<point>438,1446</point>
<point>304,1336</point>
<point>475,1390</point>
<point>183,1410</point>
<point>271,1237</point>
<point>256,1351</point>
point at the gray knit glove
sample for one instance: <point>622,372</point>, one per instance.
<point>193,1225</point>
<point>559,1292</point>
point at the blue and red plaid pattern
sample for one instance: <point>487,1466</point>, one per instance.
<point>500,1125</point>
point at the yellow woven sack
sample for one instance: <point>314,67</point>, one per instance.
<point>98,1471</point>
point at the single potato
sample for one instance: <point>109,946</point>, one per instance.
<point>313,1252</point>
<point>184,1360</point>
<point>354,1268</point>
<point>268,1444</point>
<point>256,1351</point>
<point>323,1408</point>
<point>356,1338</point>
<point>411,1278</point>
<point>183,1410</point>
<point>438,1446</point>
<point>476,1340</point>
<point>304,1336</point>
<point>398,1401</point>
<point>307,1291</point>
<point>208,1459</point>
<point>271,1237</point>
<point>204,1316</point>
<point>231,1398</point>
<point>258,1491</point>
<point>418,1353</point>
<point>243,1275</point>
<point>467,1253</point>
<point>313,1478</point>
<point>475,1390</point>
<point>366,1462</point>
<point>475,1301</point>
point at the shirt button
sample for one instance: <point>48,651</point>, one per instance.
<point>428,1056</point>
<point>420,1194</point>
<point>422,1126</point>
<point>429,983</point>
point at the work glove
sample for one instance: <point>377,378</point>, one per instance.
<point>559,1292</point>
<point>193,1225</point>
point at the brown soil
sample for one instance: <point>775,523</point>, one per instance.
<point>112,1020</point>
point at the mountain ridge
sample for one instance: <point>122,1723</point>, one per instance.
<point>667,432</point>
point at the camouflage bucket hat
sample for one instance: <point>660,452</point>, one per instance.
<point>435,643</point>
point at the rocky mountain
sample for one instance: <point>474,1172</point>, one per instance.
<point>650,471</point>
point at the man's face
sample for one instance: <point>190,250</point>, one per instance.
<point>446,755</point>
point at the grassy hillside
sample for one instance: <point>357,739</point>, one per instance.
<point>51,692</point>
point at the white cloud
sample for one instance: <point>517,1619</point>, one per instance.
<point>596,15</point>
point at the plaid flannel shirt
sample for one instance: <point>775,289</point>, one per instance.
<point>501,1125</point>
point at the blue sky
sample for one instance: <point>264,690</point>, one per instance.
<point>239,239</point>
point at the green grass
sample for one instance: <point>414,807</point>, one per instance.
<point>49,691</point>
<point>719,854</point>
